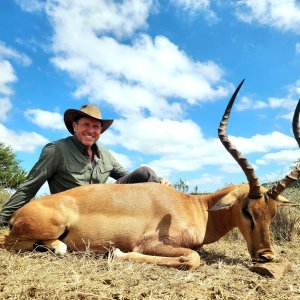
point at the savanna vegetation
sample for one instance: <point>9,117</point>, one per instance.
<point>11,173</point>
<point>225,272</point>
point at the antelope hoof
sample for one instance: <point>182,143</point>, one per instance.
<point>264,258</point>
<point>117,253</point>
<point>60,249</point>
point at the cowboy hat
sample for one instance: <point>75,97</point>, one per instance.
<point>88,111</point>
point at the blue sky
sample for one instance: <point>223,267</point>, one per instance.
<point>164,70</point>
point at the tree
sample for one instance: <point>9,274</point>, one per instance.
<point>181,185</point>
<point>297,183</point>
<point>11,174</point>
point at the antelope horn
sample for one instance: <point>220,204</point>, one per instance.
<point>281,185</point>
<point>254,192</point>
<point>296,128</point>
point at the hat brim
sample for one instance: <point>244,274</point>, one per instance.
<point>71,115</point>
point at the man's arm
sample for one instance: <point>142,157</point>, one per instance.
<point>118,170</point>
<point>42,170</point>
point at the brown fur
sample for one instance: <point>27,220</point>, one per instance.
<point>148,222</point>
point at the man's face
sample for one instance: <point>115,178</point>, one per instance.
<point>87,131</point>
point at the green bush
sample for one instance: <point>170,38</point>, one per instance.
<point>11,173</point>
<point>4,196</point>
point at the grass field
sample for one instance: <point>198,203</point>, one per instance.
<point>224,274</point>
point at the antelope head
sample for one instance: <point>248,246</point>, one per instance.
<point>254,206</point>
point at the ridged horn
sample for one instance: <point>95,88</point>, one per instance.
<point>254,192</point>
<point>288,180</point>
<point>296,128</point>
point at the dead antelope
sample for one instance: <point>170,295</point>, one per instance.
<point>153,223</point>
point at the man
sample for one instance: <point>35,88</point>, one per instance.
<point>74,161</point>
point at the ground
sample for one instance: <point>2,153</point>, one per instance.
<point>224,274</point>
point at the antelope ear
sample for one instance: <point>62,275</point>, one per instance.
<point>228,200</point>
<point>282,201</point>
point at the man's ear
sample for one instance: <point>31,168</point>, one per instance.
<point>74,124</point>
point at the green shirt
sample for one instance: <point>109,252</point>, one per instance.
<point>64,164</point>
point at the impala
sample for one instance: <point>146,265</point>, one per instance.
<point>149,222</point>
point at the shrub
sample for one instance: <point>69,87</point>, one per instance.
<point>4,196</point>
<point>11,173</point>
<point>283,227</point>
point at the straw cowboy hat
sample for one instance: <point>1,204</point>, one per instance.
<point>88,111</point>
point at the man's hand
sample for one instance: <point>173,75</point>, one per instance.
<point>165,182</point>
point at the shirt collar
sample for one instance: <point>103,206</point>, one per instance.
<point>83,150</point>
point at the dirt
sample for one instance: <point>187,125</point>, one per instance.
<point>225,273</point>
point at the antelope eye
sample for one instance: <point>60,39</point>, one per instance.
<point>248,216</point>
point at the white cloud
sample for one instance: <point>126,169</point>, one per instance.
<point>21,141</point>
<point>141,76</point>
<point>154,136</point>
<point>231,167</point>
<point>6,52</point>
<point>264,143</point>
<point>92,17</point>
<point>196,6</point>
<point>31,5</point>
<point>287,116</point>
<point>5,107</point>
<point>7,76</point>
<point>128,100</point>
<point>283,15</point>
<point>194,153</point>
<point>206,182</point>
<point>180,145</point>
<point>247,103</point>
<point>124,160</point>
<point>147,75</point>
<point>192,4</point>
<point>285,105</point>
<point>282,157</point>
<point>294,89</point>
<point>45,119</point>
<point>278,174</point>
<point>281,103</point>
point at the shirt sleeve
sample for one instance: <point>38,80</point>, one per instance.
<point>118,170</point>
<point>41,171</point>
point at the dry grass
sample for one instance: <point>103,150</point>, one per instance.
<point>224,274</point>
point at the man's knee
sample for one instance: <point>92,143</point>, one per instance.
<point>146,174</point>
<point>142,174</point>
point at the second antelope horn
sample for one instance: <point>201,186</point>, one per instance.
<point>281,185</point>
